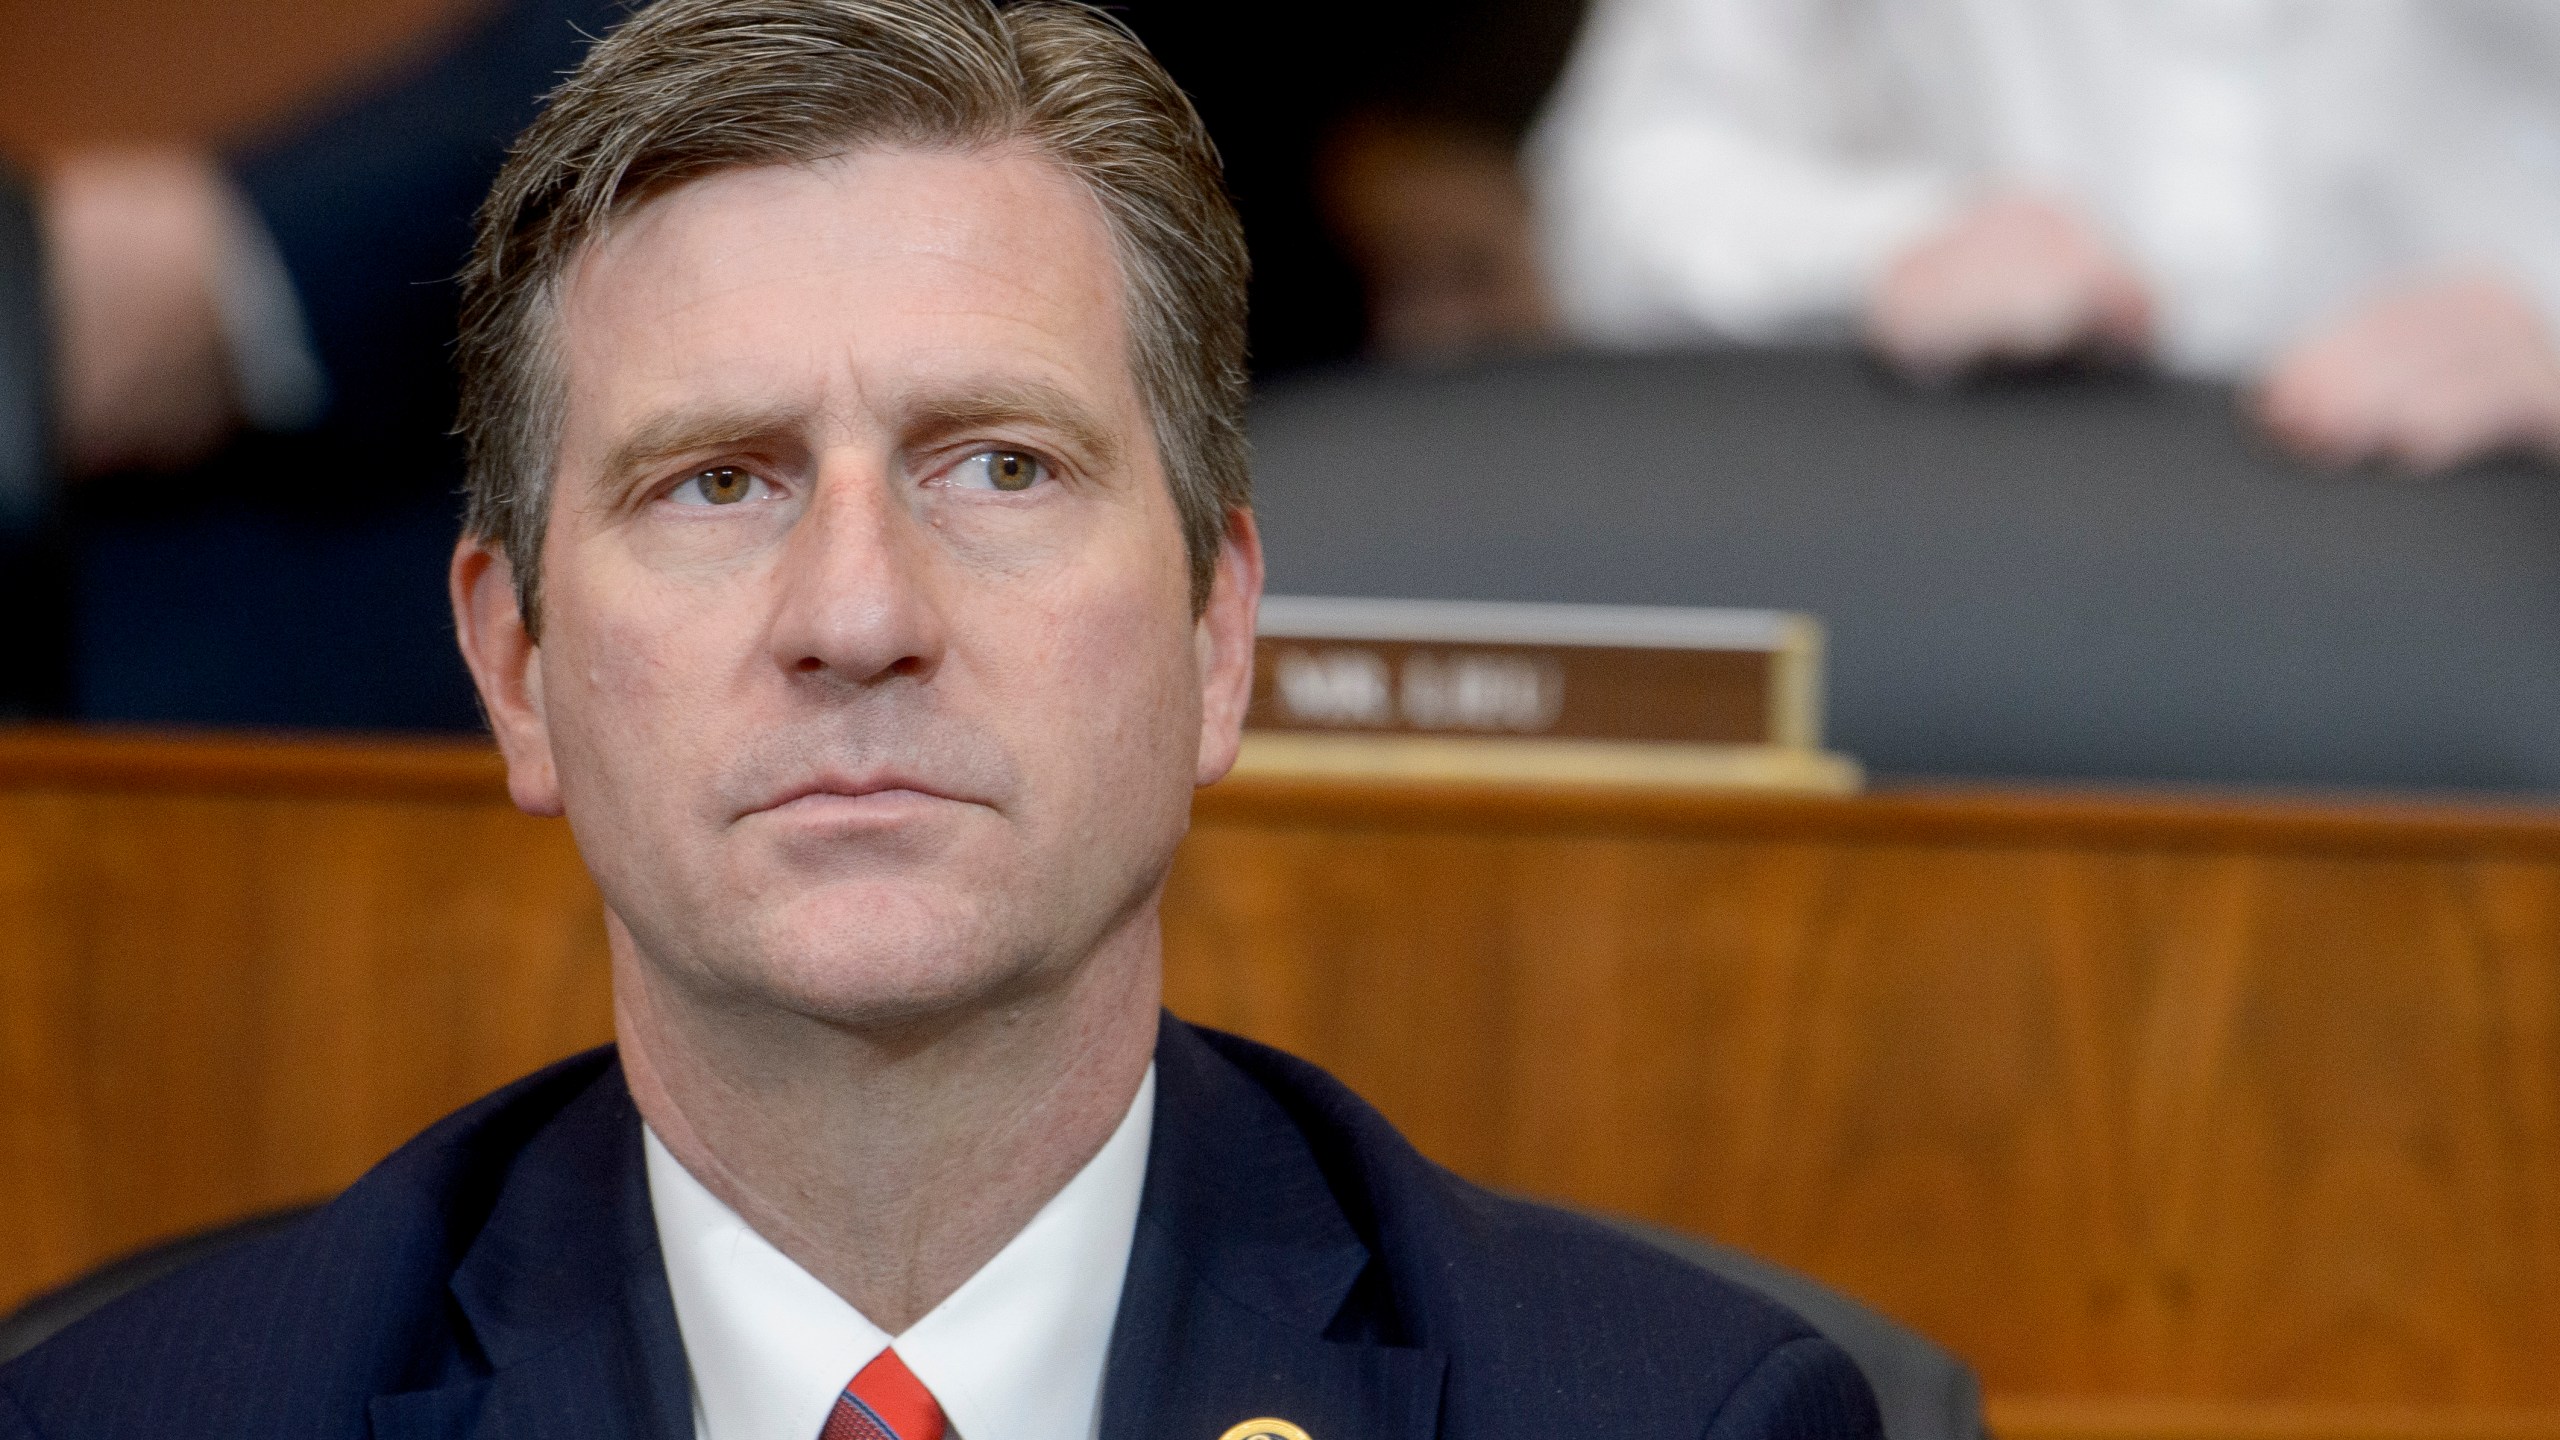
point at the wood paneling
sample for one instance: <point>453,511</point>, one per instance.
<point>2110,1120</point>
<point>2177,1116</point>
<point>214,1003</point>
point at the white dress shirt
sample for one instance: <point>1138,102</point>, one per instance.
<point>1746,169</point>
<point>1016,1353</point>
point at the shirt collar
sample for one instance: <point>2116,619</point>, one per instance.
<point>1016,1353</point>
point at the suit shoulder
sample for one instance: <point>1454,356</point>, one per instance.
<point>305,1321</point>
<point>1634,1331</point>
<point>1546,1313</point>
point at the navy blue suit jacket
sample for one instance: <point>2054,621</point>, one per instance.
<point>499,1277</point>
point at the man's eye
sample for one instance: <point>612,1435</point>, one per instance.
<point>1012,470</point>
<point>719,485</point>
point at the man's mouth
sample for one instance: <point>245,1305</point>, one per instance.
<point>880,793</point>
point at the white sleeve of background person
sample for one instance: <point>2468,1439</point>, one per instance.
<point>2477,149</point>
<point>1732,169</point>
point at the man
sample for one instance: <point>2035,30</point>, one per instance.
<point>860,559</point>
<point>2351,207</point>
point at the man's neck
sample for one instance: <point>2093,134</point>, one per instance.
<point>893,1164</point>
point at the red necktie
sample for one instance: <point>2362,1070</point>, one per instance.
<point>885,1402</point>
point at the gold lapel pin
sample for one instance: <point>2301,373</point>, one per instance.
<point>1266,1429</point>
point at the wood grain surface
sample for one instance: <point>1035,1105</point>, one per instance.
<point>2107,1120</point>
<point>213,1004</point>
<point>2178,1116</point>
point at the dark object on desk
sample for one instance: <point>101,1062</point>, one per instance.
<point>2100,577</point>
<point>25,472</point>
<point>276,597</point>
<point>34,656</point>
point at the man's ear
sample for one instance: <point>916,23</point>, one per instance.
<point>507,666</point>
<point>1224,636</point>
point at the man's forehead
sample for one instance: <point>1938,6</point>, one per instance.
<point>966,260</point>
<point>873,203</point>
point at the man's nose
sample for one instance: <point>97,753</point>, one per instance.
<point>856,584</point>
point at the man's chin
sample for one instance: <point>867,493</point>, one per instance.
<point>872,960</point>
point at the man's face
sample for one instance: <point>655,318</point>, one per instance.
<point>868,676</point>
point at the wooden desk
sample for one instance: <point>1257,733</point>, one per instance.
<point>2177,1117</point>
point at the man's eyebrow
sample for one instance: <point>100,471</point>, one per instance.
<point>690,429</point>
<point>951,410</point>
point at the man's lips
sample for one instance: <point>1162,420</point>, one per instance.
<point>880,792</point>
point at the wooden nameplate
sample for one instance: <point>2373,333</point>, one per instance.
<point>1549,694</point>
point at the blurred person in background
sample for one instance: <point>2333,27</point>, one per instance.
<point>2351,205</point>
<point>1420,184</point>
<point>249,399</point>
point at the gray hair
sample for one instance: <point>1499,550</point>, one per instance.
<point>689,87</point>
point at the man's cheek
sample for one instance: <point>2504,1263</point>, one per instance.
<point>632,681</point>
<point>651,643</point>
<point>1097,653</point>
<point>1136,683</point>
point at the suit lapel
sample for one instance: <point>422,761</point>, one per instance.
<point>1194,1362</point>
<point>566,1297</point>
<point>1251,1290</point>
<point>1248,1290</point>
